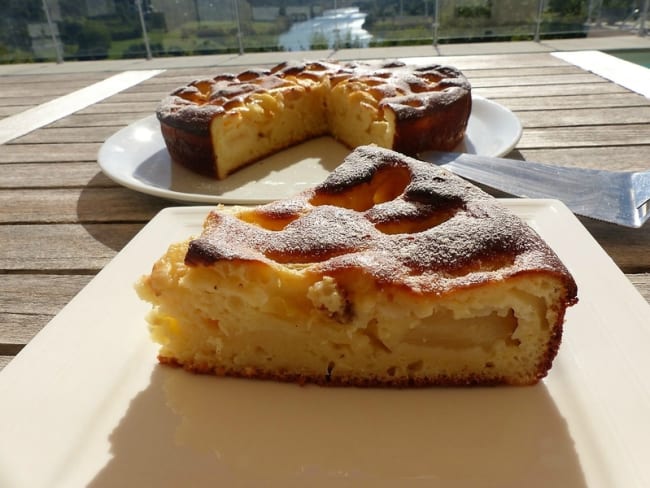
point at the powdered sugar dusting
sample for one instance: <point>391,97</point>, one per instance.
<point>476,239</point>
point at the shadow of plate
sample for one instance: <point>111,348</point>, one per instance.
<point>113,215</point>
<point>189,430</point>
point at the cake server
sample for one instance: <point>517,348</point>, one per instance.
<point>619,197</point>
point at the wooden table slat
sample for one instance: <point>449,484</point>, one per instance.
<point>584,117</point>
<point>585,136</point>
<point>71,248</point>
<point>29,301</point>
<point>62,135</point>
<point>4,360</point>
<point>64,205</point>
<point>549,90</point>
<point>111,107</point>
<point>47,153</point>
<point>38,175</point>
<point>113,120</point>
<point>616,158</point>
<point>576,101</point>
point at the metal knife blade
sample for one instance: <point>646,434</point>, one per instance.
<point>613,196</point>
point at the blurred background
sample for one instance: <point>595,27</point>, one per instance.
<point>64,30</point>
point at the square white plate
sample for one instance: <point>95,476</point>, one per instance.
<point>85,403</point>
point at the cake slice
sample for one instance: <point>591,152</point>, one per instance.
<point>393,272</point>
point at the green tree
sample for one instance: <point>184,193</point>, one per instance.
<point>318,41</point>
<point>568,7</point>
<point>94,40</point>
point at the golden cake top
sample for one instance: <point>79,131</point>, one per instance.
<point>406,223</point>
<point>409,91</point>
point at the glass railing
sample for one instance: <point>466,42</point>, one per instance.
<point>61,30</point>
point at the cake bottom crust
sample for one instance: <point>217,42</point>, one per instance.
<point>328,380</point>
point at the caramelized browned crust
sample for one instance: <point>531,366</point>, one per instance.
<point>407,223</point>
<point>431,104</point>
<point>190,149</point>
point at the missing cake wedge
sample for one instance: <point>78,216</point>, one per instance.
<point>392,272</point>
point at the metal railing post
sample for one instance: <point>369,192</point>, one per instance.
<point>538,21</point>
<point>239,39</point>
<point>145,37</point>
<point>643,18</point>
<point>55,41</point>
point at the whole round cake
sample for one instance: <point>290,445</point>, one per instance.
<point>218,125</point>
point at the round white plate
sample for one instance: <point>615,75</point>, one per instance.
<point>136,157</point>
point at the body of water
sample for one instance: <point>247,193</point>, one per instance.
<point>336,26</point>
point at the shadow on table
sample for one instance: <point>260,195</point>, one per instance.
<point>189,430</point>
<point>113,215</point>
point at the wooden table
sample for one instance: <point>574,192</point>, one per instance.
<point>62,219</point>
